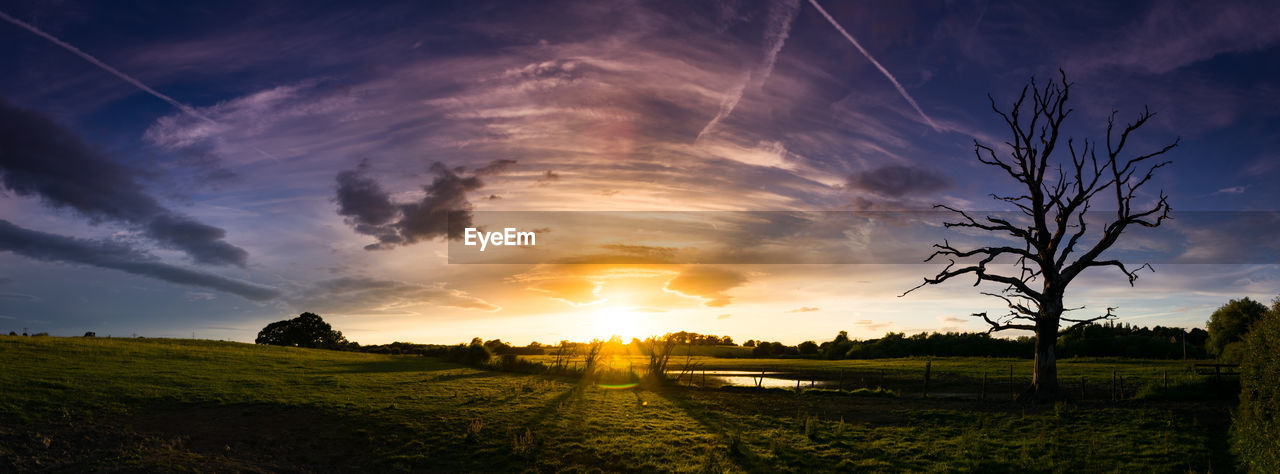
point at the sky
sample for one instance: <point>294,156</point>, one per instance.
<point>204,168</point>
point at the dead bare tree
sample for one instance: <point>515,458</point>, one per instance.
<point>1049,220</point>
<point>659,354</point>
<point>560,357</point>
<point>592,356</point>
<point>690,366</point>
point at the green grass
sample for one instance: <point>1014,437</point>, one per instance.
<point>154,404</point>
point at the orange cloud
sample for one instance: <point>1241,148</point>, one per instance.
<point>708,283</point>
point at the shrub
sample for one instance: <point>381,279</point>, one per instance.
<point>1256,431</point>
<point>1230,323</point>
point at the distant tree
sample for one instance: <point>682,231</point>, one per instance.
<point>765,349</point>
<point>1055,196</point>
<point>808,348</point>
<point>11,333</point>
<point>836,348</point>
<point>306,330</point>
<point>496,346</point>
<point>1228,325</point>
<point>1256,428</point>
<point>90,334</point>
<point>749,343</point>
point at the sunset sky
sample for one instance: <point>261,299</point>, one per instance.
<point>169,168</point>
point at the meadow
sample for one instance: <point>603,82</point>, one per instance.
<point>163,404</point>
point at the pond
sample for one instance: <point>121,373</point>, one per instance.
<point>747,378</point>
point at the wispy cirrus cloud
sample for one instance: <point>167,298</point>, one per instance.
<point>897,85</point>
<point>1171,35</point>
<point>781,15</point>
<point>804,309</point>
<point>359,294</point>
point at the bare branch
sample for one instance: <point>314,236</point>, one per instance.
<point>1081,322</point>
<point>1004,325</point>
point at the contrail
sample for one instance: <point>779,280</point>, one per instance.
<point>183,107</point>
<point>778,29</point>
<point>127,78</point>
<point>884,71</point>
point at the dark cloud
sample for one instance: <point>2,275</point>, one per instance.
<point>548,177</point>
<point>443,212</point>
<point>898,180</point>
<point>40,158</point>
<point>117,256</point>
<point>367,207</point>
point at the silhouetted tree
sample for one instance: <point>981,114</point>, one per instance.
<point>90,334</point>
<point>1054,199</point>
<point>660,350</point>
<point>808,348</point>
<point>306,330</point>
<point>1228,325</point>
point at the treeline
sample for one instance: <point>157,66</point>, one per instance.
<point>1093,340</point>
<point>498,347</point>
<point>1109,339</point>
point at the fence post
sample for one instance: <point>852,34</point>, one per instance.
<point>928,366</point>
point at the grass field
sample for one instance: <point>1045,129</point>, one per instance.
<point>155,404</point>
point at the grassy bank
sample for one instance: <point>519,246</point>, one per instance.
<point>152,404</point>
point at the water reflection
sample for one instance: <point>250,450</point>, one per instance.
<point>747,378</point>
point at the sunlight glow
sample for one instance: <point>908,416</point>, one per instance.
<point>621,322</point>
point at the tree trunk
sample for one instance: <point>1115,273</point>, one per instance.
<point>1044,384</point>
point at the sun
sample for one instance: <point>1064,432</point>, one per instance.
<point>621,322</point>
